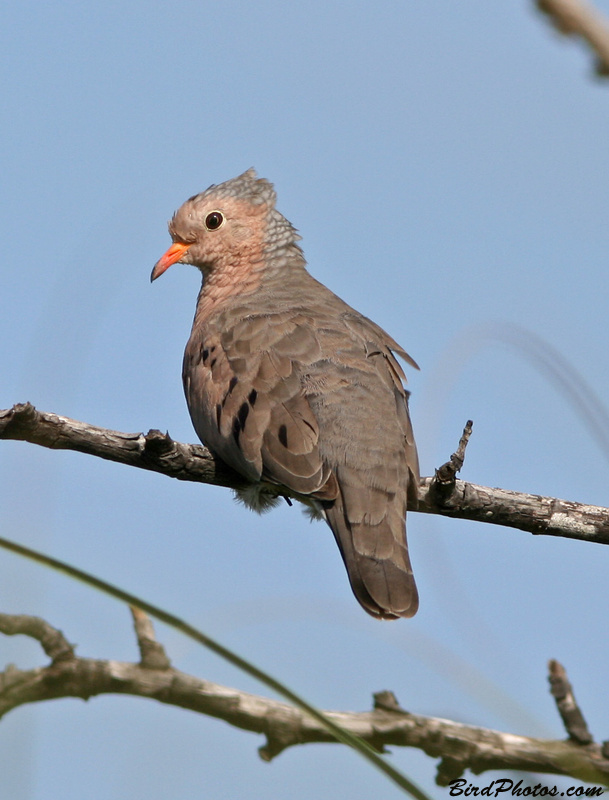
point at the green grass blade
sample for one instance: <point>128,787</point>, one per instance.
<point>342,735</point>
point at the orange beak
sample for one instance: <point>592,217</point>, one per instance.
<point>175,253</point>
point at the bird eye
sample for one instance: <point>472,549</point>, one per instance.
<point>214,220</point>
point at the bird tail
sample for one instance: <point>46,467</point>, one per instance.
<point>375,553</point>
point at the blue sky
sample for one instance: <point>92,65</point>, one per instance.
<point>446,165</point>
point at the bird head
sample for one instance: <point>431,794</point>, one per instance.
<point>232,222</point>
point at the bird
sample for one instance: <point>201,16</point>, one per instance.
<point>290,386</point>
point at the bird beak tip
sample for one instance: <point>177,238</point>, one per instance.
<point>156,271</point>
<point>175,253</point>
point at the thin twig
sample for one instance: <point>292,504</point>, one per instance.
<point>578,18</point>
<point>570,712</point>
<point>447,473</point>
<point>52,641</point>
<point>152,653</point>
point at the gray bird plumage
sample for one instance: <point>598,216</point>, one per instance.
<point>288,384</point>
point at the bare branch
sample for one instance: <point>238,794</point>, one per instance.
<point>52,641</point>
<point>187,462</point>
<point>528,512</point>
<point>459,747</point>
<point>152,653</point>
<point>578,18</point>
<point>570,712</point>
<point>154,451</point>
<point>446,475</point>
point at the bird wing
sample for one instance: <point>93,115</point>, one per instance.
<point>314,401</point>
<point>246,402</point>
<point>371,450</point>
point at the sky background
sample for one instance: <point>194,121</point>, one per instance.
<point>446,165</point>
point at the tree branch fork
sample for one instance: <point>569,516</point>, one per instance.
<point>459,747</point>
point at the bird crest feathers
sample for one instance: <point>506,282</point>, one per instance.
<point>247,186</point>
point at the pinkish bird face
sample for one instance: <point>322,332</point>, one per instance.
<point>208,231</point>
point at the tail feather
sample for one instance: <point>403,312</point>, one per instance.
<point>377,561</point>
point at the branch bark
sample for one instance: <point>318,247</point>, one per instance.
<point>156,451</point>
<point>458,746</point>
<point>578,18</point>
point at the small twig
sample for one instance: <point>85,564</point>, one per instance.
<point>447,473</point>
<point>387,701</point>
<point>53,642</point>
<point>578,18</point>
<point>152,653</point>
<point>443,484</point>
<point>570,712</point>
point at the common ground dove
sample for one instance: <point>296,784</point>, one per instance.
<point>288,384</point>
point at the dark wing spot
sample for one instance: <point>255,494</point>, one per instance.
<point>218,414</point>
<point>213,347</point>
<point>233,382</point>
<point>236,429</point>
<point>283,435</point>
<point>242,414</point>
<point>204,354</point>
<point>212,362</point>
<point>252,397</point>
